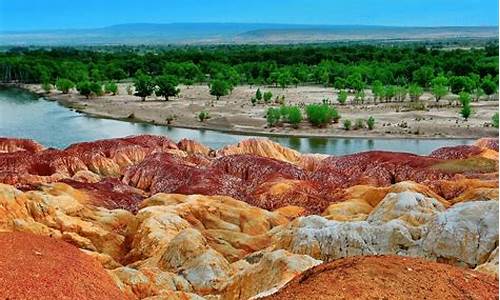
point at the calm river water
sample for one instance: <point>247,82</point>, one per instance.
<point>25,115</point>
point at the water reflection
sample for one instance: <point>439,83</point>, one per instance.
<point>24,115</point>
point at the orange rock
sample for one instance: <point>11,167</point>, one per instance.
<point>388,277</point>
<point>33,266</point>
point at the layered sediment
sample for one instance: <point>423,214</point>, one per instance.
<point>168,220</point>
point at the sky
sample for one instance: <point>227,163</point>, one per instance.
<point>25,15</point>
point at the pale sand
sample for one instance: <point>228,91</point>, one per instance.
<point>236,113</point>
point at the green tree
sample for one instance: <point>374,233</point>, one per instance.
<point>439,87</point>
<point>342,97</point>
<point>489,86</point>
<point>167,86</point>
<point>84,88</point>
<point>370,123</point>
<point>423,76</point>
<point>111,88</point>
<point>355,82</point>
<point>258,95</point>
<point>400,93</point>
<point>466,110</point>
<point>461,84</point>
<point>378,90</point>
<point>64,85</point>
<point>96,89</point>
<point>389,92</point>
<point>415,92</point>
<point>144,85</point>
<point>219,88</point>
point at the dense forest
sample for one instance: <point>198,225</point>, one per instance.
<point>344,67</point>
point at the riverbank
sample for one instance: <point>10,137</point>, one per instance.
<point>236,114</point>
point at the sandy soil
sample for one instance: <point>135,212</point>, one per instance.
<point>237,114</point>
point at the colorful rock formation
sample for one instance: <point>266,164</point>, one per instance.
<point>182,221</point>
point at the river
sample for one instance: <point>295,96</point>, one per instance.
<point>26,115</point>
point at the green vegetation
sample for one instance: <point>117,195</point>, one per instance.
<point>359,124</point>
<point>321,115</point>
<point>294,116</point>
<point>342,97</point>
<point>219,88</point>
<point>347,124</point>
<point>378,90</point>
<point>84,88</point>
<point>64,85</point>
<point>111,88</point>
<point>466,110</point>
<point>494,120</point>
<point>370,123</point>
<point>268,96</point>
<point>46,87</point>
<point>203,115</point>
<point>489,85</point>
<point>167,86</point>
<point>350,67</point>
<point>88,89</point>
<point>415,92</point>
<point>144,85</point>
<point>258,95</point>
<point>273,116</point>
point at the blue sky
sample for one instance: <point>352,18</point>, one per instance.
<point>60,14</point>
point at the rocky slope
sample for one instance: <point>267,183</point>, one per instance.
<point>172,220</point>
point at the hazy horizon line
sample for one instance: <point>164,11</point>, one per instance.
<point>244,23</point>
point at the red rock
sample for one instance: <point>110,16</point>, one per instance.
<point>9,145</point>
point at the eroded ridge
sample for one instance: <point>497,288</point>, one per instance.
<point>182,221</point>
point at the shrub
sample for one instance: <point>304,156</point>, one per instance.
<point>494,120</point>
<point>342,97</point>
<point>320,114</point>
<point>84,88</point>
<point>268,96</point>
<point>203,115</point>
<point>111,88</point>
<point>96,89</point>
<point>370,123</point>
<point>47,87</point>
<point>64,85</point>
<point>466,110</point>
<point>258,95</point>
<point>253,100</point>
<point>415,92</point>
<point>294,116</point>
<point>347,124</point>
<point>359,124</point>
<point>273,116</point>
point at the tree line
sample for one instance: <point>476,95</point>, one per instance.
<point>344,67</point>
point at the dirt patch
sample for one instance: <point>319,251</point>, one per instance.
<point>236,113</point>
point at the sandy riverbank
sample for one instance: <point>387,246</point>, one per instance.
<point>235,113</point>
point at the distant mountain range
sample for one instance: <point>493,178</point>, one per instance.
<point>238,33</point>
